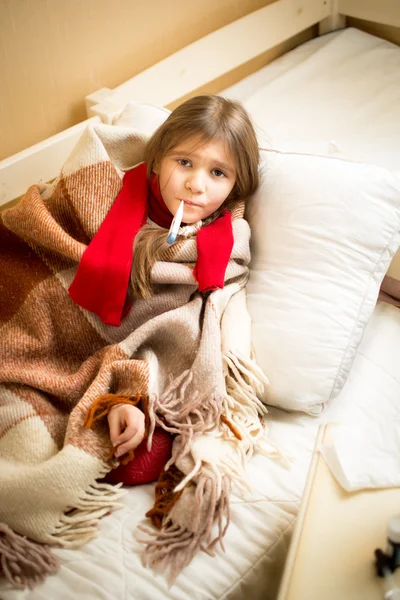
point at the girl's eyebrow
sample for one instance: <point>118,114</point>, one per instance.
<point>185,152</point>
<point>224,167</point>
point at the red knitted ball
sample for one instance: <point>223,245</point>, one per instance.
<point>146,466</point>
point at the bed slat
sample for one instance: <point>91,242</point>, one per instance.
<point>38,163</point>
<point>214,55</point>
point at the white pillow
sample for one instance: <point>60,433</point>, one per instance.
<point>144,118</point>
<point>323,233</point>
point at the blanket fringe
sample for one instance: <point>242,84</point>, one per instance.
<point>185,413</point>
<point>23,562</point>
<point>227,466</point>
<point>187,517</point>
<point>80,524</point>
<point>242,408</point>
<point>175,545</point>
<point>166,495</point>
<point>244,379</point>
<point>193,416</point>
<point>188,415</point>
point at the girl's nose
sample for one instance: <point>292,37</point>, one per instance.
<point>195,184</point>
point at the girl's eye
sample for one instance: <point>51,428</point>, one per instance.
<point>218,173</point>
<point>184,162</point>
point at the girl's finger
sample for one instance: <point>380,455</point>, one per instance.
<point>126,435</point>
<point>129,445</point>
<point>115,428</point>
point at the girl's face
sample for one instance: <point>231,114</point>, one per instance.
<point>202,175</point>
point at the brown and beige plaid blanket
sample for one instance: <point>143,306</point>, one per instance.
<point>186,355</point>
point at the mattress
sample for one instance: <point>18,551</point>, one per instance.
<point>290,101</point>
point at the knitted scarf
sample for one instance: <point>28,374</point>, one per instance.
<point>184,357</point>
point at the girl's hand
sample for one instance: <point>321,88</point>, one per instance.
<point>126,423</point>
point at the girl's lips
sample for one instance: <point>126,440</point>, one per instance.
<point>190,203</point>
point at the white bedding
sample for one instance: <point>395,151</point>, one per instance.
<point>336,95</point>
<point>364,107</point>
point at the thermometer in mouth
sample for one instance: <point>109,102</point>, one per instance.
<point>176,223</point>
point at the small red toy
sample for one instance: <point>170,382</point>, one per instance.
<point>146,466</point>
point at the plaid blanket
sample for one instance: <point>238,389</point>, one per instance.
<point>186,356</point>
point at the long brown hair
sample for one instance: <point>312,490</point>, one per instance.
<point>206,118</point>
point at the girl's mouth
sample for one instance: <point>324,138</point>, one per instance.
<point>190,203</point>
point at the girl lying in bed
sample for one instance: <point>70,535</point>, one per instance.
<point>204,159</point>
<point>169,353</point>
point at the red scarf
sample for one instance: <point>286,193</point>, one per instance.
<point>101,281</point>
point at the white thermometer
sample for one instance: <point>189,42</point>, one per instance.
<point>176,223</point>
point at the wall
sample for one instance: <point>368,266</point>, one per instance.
<point>387,32</point>
<point>53,53</point>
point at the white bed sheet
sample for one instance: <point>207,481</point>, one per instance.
<point>258,537</point>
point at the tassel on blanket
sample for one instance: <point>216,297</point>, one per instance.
<point>187,510</point>
<point>231,427</point>
<point>243,380</point>
<point>165,496</point>
<point>23,562</point>
<point>81,524</point>
<point>187,415</point>
<point>189,526</point>
<point>185,411</point>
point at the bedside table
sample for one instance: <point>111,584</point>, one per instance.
<point>331,556</point>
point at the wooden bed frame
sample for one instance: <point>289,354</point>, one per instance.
<point>170,80</point>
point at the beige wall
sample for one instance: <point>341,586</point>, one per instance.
<point>387,32</point>
<point>55,52</point>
